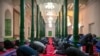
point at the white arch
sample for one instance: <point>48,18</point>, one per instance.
<point>7,14</point>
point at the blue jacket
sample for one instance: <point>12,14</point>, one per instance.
<point>28,51</point>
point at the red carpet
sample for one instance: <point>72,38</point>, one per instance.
<point>49,49</point>
<point>94,49</point>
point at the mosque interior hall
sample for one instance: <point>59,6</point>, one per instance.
<point>49,28</point>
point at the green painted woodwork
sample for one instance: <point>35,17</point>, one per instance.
<point>37,22</point>
<point>76,21</point>
<point>63,22</point>
<point>32,22</point>
<point>22,13</point>
<point>65,19</point>
<point>8,27</point>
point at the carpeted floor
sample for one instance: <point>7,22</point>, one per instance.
<point>50,49</point>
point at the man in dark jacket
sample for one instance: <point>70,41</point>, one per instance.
<point>88,41</point>
<point>34,49</point>
<point>8,44</point>
<point>26,51</point>
<point>70,51</point>
<point>37,45</point>
<point>89,44</point>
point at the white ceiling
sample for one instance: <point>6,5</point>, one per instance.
<point>57,6</point>
<point>41,3</point>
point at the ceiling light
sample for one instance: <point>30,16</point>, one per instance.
<point>49,21</point>
<point>49,5</point>
<point>50,13</point>
<point>50,18</point>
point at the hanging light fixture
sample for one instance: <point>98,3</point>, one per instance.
<point>50,13</point>
<point>50,18</point>
<point>49,5</point>
<point>49,21</point>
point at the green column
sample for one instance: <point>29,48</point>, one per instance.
<point>65,18</point>
<point>40,25</point>
<point>32,22</point>
<point>76,16</point>
<point>44,27</point>
<point>63,29</point>
<point>22,8</point>
<point>37,23</point>
<point>59,25</point>
<point>57,28</point>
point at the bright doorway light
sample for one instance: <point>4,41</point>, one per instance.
<point>49,5</point>
<point>50,25</point>
<point>79,25</point>
<point>69,22</point>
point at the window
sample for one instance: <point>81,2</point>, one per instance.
<point>81,29</point>
<point>7,27</point>
<point>91,28</point>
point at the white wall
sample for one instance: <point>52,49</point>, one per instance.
<point>16,22</point>
<point>91,14</point>
<point>50,29</point>
<point>1,21</point>
<point>5,5</point>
